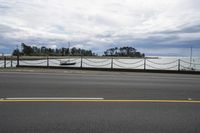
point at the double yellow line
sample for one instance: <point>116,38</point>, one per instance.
<point>104,101</point>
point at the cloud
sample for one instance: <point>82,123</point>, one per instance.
<point>97,25</point>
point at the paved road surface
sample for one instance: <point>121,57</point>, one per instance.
<point>98,117</point>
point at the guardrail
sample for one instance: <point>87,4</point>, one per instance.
<point>110,63</point>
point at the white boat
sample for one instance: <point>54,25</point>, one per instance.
<point>67,62</point>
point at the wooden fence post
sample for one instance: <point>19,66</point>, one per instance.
<point>112,63</point>
<point>11,61</point>
<point>81,61</point>
<point>47,61</point>
<point>4,61</point>
<point>144,63</point>
<point>179,64</point>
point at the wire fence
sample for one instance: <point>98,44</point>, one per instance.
<point>133,64</point>
<point>197,64</point>
<point>128,67</point>
<point>165,63</point>
<point>1,63</point>
<point>112,63</point>
<point>33,62</point>
<point>122,62</point>
<point>96,61</point>
<point>96,65</point>
<point>163,68</point>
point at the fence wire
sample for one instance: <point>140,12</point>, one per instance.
<point>167,63</point>
<point>1,62</point>
<point>33,63</point>
<point>136,62</point>
<point>14,63</point>
<point>167,68</point>
<point>98,65</point>
<point>188,68</point>
<point>56,59</point>
<point>106,60</point>
<point>134,67</point>
<point>190,63</point>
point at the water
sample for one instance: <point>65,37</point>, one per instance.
<point>161,63</point>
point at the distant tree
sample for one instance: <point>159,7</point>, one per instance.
<point>63,51</point>
<point>123,51</point>
<point>73,51</point>
<point>15,52</point>
<point>26,50</point>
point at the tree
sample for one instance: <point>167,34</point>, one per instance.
<point>26,50</point>
<point>123,51</point>
<point>15,52</point>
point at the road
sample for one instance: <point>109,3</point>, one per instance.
<point>97,117</point>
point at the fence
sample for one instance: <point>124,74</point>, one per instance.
<point>111,63</point>
<point>7,62</point>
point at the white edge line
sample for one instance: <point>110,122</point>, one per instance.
<point>51,98</point>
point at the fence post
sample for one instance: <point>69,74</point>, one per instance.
<point>11,61</point>
<point>81,61</point>
<point>144,63</point>
<point>179,64</point>
<point>47,61</point>
<point>112,63</point>
<point>4,61</point>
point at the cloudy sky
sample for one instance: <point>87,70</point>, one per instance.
<point>155,27</point>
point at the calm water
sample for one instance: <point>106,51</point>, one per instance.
<point>166,63</point>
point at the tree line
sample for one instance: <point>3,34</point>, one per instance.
<point>27,50</point>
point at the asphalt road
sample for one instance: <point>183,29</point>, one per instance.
<point>98,117</point>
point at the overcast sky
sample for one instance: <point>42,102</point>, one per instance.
<point>155,27</point>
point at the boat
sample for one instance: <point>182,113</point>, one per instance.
<point>67,62</point>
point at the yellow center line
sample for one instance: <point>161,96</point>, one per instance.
<point>103,101</point>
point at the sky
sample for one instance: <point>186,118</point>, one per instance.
<point>153,27</point>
